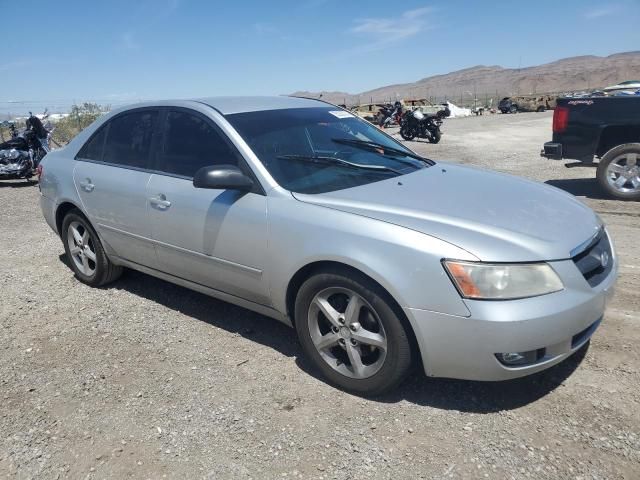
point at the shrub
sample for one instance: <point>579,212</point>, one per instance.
<point>80,117</point>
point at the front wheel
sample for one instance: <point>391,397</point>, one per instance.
<point>619,171</point>
<point>350,331</point>
<point>435,136</point>
<point>407,132</point>
<point>84,251</point>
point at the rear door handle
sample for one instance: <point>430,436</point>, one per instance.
<point>87,186</point>
<point>160,202</point>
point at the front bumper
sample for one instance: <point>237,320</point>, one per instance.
<point>552,151</point>
<point>560,323</point>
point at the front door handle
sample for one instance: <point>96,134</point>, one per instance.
<point>160,202</point>
<point>86,185</point>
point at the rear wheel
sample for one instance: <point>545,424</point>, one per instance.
<point>349,329</point>
<point>513,109</point>
<point>619,171</point>
<point>85,253</point>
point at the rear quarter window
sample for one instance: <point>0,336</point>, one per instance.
<point>93,148</point>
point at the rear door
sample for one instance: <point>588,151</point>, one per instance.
<point>111,175</point>
<point>217,238</point>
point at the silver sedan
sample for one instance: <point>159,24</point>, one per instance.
<point>297,209</point>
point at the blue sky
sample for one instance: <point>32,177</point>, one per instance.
<point>118,51</point>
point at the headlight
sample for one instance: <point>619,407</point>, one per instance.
<point>486,281</point>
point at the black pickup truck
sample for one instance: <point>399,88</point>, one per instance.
<point>606,128</point>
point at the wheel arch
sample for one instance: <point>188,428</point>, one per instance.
<point>322,266</point>
<point>61,211</point>
<point>612,136</point>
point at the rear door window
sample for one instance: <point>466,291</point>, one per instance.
<point>92,149</point>
<point>191,142</point>
<point>129,139</point>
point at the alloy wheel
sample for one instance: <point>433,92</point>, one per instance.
<point>623,173</point>
<point>81,248</point>
<point>347,332</point>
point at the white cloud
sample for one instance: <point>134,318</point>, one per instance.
<point>264,28</point>
<point>599,12</point>
<point>5,67</point>
<point>384,31</point>
<point>267,29</point>
<point>128,41</point>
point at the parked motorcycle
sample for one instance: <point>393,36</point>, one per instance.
<point>21,155</point>
<point>389,115</point>
<point>417,124</point>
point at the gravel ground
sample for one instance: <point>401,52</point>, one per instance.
<point>145,379</point>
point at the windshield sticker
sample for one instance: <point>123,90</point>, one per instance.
<point>340,114</point>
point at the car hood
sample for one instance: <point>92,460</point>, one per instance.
<point>494,216</point>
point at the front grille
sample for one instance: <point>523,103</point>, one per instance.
<point>596,261</point>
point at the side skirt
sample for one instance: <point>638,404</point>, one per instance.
<point>211,292</point>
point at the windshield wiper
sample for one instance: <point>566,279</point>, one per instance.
<point>339,161</point>
<point>379,146</point>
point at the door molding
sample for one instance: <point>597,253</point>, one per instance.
<point>245,268</point>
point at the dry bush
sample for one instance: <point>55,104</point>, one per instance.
<point>80,117</point>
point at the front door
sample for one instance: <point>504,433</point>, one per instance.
<point>111,176</point>
<point>217,238</point>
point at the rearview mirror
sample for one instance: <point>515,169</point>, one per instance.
<point>222,177</point>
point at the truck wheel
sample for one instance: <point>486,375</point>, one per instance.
<point>619,171</point>
<point>513,109</point>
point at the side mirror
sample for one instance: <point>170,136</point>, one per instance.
<point>222,177</point>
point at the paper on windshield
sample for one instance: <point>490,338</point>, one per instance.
<point>340,114</point>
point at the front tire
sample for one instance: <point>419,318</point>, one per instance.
<point>435,136</point>
<point>619,172</point>
<point>407,133</point>
<point>85,253</point>
<point>350,331</point>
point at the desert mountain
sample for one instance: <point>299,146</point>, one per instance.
<point>569,74</point>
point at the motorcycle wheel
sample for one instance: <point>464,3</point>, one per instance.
<point>435,137</point>
<point>407,133</point>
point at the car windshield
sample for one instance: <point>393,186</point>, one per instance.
<point>323,149</point>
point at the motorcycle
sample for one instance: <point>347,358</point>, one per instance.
<point>417,124</point>
<point>389,115</point>
<point>21,155</point>
<point>13,131</point>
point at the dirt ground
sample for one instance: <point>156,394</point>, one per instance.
<point>144,379</point>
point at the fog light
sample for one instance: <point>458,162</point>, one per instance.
<point>514,359</point>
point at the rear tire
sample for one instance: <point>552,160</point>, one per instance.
<point>85,253</point>
<point>513,109</point>
<point>619,172</point>
<point>364,349</point>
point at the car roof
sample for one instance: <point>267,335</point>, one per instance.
<point>230,105</point>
